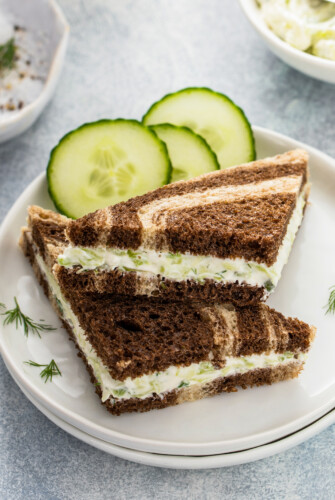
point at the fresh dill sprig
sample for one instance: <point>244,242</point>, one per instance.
<point>7,54</point>
<point>331,301</point>
<point>49,371</point>
<point>268,285</point>
<point>29,325</point>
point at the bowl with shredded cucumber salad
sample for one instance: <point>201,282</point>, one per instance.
<point>300,32</point>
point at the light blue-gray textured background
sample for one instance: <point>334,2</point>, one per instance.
<point>122,56</point>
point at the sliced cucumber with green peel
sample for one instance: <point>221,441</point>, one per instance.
<point>213,116</point>
<point>105,162</point>
<point>189,153</point>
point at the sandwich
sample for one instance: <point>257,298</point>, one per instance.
<point>224,236</point>
<point>144,353</point>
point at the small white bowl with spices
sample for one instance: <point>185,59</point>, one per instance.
<point>33,41</point>
<point>300,32</point>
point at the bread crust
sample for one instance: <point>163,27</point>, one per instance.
<point>261,376</point>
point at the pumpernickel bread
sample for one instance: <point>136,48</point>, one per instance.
<point>145,337</point>
<point>242,216</point>
<point>241,211</point>
<point>239,215</point>
<point>49,234</point>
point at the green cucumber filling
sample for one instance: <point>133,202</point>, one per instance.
<point>176,266</point>
<point>175,377</point>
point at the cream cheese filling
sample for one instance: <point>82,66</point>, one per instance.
<point>179,267</point>
<point>173,377</point>
<point>304,24</point>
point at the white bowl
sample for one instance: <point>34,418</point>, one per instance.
<point>314,66</point>
<point>37,15</point>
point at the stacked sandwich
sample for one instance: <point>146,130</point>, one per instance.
<point>163,294</point>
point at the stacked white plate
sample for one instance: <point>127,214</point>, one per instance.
<point>225,430</point>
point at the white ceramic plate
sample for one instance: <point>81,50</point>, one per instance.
<point>225,423</point>
<point>317,67</point>
<point>184,462</point>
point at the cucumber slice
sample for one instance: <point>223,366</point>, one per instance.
<point>189,153</point>
<point>103,163</point>
<point>213,116</point>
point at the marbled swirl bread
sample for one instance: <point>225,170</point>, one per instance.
<point>223,236</point>
<point>143,353</point>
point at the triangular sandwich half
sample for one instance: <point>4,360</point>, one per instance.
<point>143,353</point>
<point>223,236</point>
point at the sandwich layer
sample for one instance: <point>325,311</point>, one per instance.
<point>240,212</point>
<point>158,382</point>
<point>224,236</point>
<point>49,235</point>
<point>141,364</point>
<point>182,267</point>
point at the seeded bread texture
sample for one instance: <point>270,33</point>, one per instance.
<point>250,226</point>
<point>229,335</point>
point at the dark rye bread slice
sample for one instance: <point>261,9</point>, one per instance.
<point>241,212</point>
<point>132,284</point>
<point>48,232</point>
<point>144,336</point>
<point>49,235</point>
<point>139,337</point>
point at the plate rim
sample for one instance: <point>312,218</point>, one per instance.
<point>154,445</point>
<point>190,462</point>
